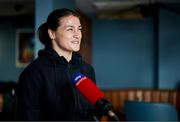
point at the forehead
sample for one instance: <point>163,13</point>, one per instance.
<point>70,20</point>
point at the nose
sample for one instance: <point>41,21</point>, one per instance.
<point>77,34</point>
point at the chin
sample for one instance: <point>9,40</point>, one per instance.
<point>76,50</point>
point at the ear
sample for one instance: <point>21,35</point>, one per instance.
<point>51,34</point>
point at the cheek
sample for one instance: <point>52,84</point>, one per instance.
<point>67,35</point>
<point>81,35</point>
<point>66,39</point>
<point>63,37</point>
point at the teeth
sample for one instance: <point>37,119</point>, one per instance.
<point>75,42</point>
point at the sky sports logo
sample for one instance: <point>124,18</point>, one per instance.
<point>79,78</point>
<point>76,77</point>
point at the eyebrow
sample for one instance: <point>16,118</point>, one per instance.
<point>72,26</point>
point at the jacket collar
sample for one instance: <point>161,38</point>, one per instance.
<point>51,54</point>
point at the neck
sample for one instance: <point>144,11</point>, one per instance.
<point>67,55</point>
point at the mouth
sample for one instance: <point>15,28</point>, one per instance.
<point>75,42</point>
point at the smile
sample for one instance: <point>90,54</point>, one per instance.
<point>75,42</point>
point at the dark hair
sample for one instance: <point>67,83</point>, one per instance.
<point>53,23</point>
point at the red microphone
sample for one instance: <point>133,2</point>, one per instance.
<point>93,94</point>
<point>87,88</point>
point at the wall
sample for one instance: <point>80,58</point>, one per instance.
<point>41,13</point>
<point>169,70</point>
<point>64,4</point>
<point>8,26</point>
<point>123,53</point>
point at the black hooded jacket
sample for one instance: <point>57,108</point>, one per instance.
<point>46,93</point>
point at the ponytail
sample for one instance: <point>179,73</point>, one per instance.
<point>43,34</point>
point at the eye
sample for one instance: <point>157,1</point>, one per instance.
<point>69,29</point>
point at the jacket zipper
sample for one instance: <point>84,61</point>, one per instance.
<point>73,90</point>
<point>68,72</point>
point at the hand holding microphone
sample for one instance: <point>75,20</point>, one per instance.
<point>90,91</point>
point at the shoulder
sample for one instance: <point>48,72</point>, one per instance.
<point>32,67</point>
<point>32,72</point>
<point>36,65</point>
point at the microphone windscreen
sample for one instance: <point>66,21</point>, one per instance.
<point>87,88</point>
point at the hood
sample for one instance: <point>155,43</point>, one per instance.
<point>53,56</point>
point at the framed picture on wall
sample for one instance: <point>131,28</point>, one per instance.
<point>25,47</point>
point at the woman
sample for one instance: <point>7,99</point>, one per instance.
<point>44,90</point>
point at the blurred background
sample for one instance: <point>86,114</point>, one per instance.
<point>132,44</point>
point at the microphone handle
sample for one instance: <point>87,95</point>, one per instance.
<point>105,108</point>
<point>113,116</point>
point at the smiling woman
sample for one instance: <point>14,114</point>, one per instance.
<point>51,72</point>
<point>67,37</point>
